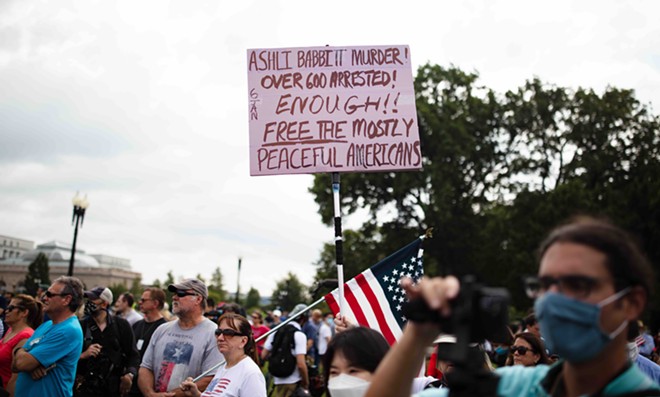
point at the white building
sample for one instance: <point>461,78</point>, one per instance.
<point>92,270</point>
<point>12,247</point>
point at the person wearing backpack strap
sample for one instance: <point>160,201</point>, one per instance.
<point>291,335</point>
<point>109,359</point>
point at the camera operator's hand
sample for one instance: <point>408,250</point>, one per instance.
<point>394,375</point>
<point>436,293</point>
<point>125,383</point>
<point>189,388</point>
<point>92,351</point>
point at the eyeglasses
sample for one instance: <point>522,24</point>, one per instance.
<point>522,350</point>
<point>182,294</point>
<point>12,307</point>
<point>577,286</point>
<point>227,332</point>
<point>144,300</point>
<point>49,294</point>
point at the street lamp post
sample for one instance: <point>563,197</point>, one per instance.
<point>80,204</point>
<point>238,279</point>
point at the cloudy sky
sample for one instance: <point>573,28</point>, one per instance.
<point>143,106</point>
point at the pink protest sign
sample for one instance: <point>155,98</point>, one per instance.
<point>332,109</point>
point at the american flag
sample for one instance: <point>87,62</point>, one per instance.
<point>374,298</point>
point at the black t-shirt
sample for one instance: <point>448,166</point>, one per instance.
<point>143,332</point>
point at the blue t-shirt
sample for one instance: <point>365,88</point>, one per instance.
<point>58,347</point>
<point>521,381</point>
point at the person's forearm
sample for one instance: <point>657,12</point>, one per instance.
<point>23,361</point>
<point>146,381</point>
<point>395,374</point>
<point>304,381</point>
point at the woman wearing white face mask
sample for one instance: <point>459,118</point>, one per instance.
<point>352,358</point>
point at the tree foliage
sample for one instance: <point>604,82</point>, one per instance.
<point>499,170</point>
<point>289,292</point>
<point>38,273</point>
<point>215,286</point>
<point>252,299</point>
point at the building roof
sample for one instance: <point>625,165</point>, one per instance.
<point>59,254</point>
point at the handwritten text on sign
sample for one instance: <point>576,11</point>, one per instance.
<point>332,109</point>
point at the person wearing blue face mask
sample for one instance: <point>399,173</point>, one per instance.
<point>592,282</point>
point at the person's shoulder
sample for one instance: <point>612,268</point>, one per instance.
<point>27,332</point>
<point>518,379</point>
<point>122,322</point>
<point>207,324</point>
<point>632,380</point>
<point>164,327</point>
<point>71,323</point>
<point>140,323</point>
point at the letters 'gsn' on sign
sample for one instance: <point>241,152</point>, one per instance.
<point>332,109</point>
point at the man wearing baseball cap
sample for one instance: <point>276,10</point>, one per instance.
<point>109,359</point>
<point>182,348</point>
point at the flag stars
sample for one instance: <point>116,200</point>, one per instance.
<point>386,279</point>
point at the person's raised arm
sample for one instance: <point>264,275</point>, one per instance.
<point>395,374</point>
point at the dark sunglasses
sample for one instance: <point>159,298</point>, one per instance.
<point>12,307</point>
<point>181,293</point>
<point>49,294</point>
<point>522,350</point>
<point>227,332</point>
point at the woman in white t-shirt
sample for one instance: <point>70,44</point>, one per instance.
<point>240,375</point>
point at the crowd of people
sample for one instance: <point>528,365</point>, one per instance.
<point>582,337</point>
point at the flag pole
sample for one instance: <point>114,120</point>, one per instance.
<point>339,242</point>
<point>280,325</point>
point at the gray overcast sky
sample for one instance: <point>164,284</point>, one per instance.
<point>143,105</point>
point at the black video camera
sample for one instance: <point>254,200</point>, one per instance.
<point>477,313</point>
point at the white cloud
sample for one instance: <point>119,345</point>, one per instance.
<point>143,105</point>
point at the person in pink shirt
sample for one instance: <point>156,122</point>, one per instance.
<point>258,329</point>
<point>22,316</point>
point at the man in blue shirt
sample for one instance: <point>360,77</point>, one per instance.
<point>47,362</point>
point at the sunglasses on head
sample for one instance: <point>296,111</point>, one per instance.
<point>522,350</point>
<point>12,307</point>
<point>227,332</point>
<point>181,293</point>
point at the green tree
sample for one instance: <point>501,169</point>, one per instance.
<point>136,287</point>
<point>499,170</point>
<point>117,289</point>
<point>168,280</point>
<point>216,285</point>
<point>289,292</point>
<point>253,299</point>
<point>38,273</point>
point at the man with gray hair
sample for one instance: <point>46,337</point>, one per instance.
<point>46,364</point>
<point>182,348</point>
